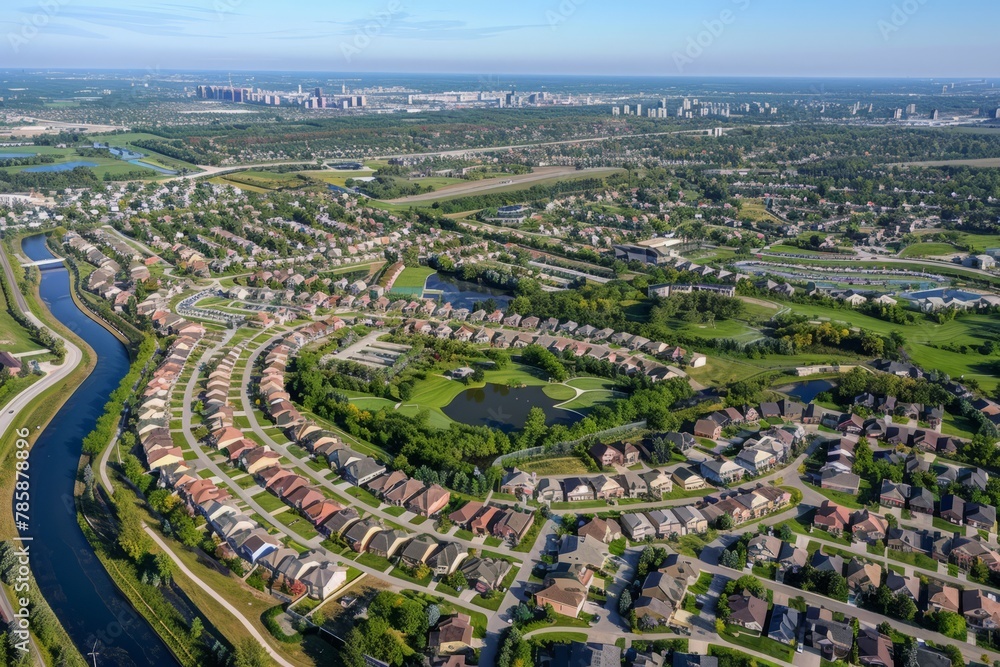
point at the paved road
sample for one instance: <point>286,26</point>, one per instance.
<point>221,600</point>
<point>314,543</point>
<point>490,149</point>
<point>24,399</point>
<point>319,478</point>
<point>881,259</point>
<point>135,242</point>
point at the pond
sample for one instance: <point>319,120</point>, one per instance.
<point>462,293</point>
<point>506,408</point>
<point>14,156</point>
<point>806,392</point>
<point>65,166</point>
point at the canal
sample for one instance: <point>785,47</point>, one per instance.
<point>73,581</point>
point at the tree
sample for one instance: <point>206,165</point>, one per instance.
<point>249,653</point>
<point>950,624</point>
<point>196,629</point>
<point>433,615</point>
<point>979,572</point>
<point>163,565</point>
<point>785,533</point>
<point>903,607</point>
<point>624,602</point>
<point>953,652</point>
<point>731,558</point>
<point>724,522</point>
<point>522,614</point>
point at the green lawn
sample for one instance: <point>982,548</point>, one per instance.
<point>563,465</point>
<point>701,586</point>
<point>363,495</point>
<point>766,645</point>
<point>268,502</point>
<point>413,278</point>
<point>559,392</point>
<point>13,337</point>
<point>589,399</point>
<point>916,559</point>
<point>590,384</point>
<point>841,498</point>
<point>928,250</point>
<point>297,524</point>
<point>369,559</point>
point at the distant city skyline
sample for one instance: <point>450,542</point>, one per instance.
<point>761,38</point>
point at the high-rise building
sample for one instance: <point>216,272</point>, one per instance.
<point>897,114</point>
<point>935,115</point>
<point>911,109</point>
<point>318,92</point>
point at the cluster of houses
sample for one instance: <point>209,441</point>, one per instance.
<point>503,523</point>
<point>981,609</point>
<point>395,488</point>
<point>989,408</point>
<point>241,536</point>
<point>103,281</point>
<point>768,449</point>
<point>625,351</point>
<point>153,425</point>
<point>932,304</point>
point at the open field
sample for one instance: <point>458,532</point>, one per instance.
<point>755,210</point>
<point>928,250</point>
<point>794,250</point>
<point>541,176</point>
<point>413,277</point>
<point>566,465</point>
<point>987,162</point>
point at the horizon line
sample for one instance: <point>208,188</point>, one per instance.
<point>875,77</point>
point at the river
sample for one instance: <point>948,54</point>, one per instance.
<point>73,581</point>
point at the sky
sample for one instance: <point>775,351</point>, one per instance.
<point>872,38</point>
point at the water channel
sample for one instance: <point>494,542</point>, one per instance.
<point>73,581</point>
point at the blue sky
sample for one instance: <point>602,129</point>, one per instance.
<point>641,37</point>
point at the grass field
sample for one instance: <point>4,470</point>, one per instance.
<point>13,337</point>
<point>413,277</point>
<point>755,210</point>
<point>514,187</point>
<point>559,392</point>
<point>588,400</point>
<point>795,250</point>
<point>928,250</point>
<point>565,465</point>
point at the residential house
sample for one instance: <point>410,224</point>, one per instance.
<point>637,526</point>
<point>747,611</point>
